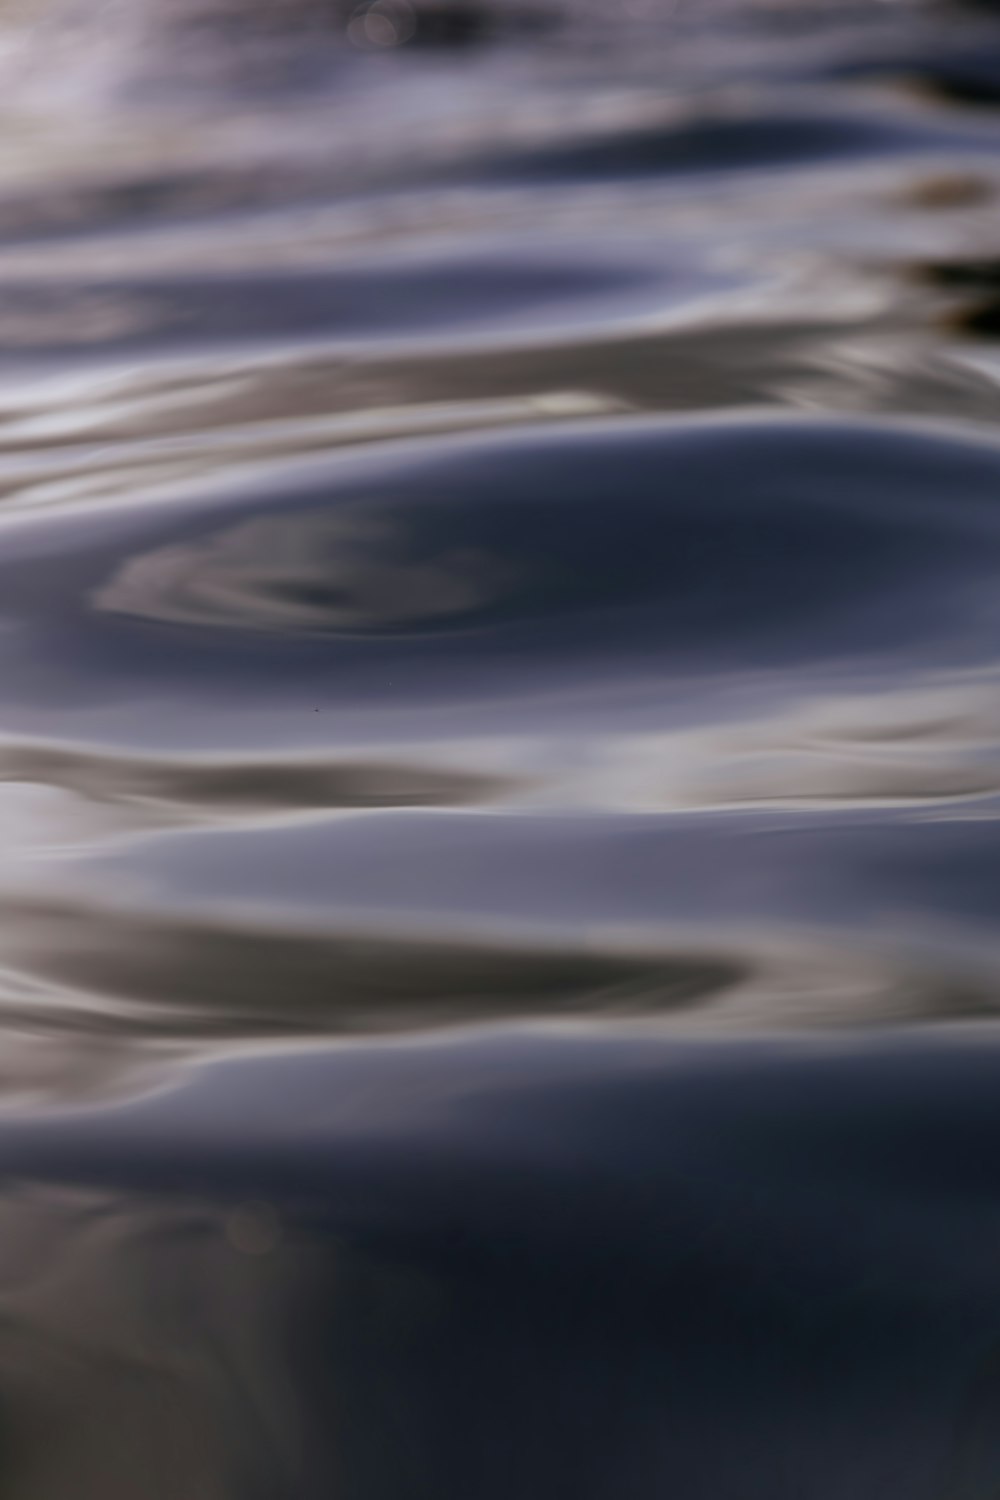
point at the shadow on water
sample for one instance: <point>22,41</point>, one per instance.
<point>519,1263</point>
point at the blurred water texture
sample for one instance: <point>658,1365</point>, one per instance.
<point>499,749</point>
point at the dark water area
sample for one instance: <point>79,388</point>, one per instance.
<point>499,751</point>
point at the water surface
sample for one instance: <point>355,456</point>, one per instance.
<point>500,753</point>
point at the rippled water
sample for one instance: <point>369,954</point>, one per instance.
<point>500,752</point>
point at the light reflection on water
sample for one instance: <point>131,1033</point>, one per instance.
<point>499,752</point>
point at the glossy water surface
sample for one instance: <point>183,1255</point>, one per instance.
<point>500,752</point>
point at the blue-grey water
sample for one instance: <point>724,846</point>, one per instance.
<point>499,750</point>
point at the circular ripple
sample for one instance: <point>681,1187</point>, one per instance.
<point>465,569</point>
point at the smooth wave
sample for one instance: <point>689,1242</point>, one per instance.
<point>432,295</point>
<point>742,142</point>
<point>499,752</point>
<point>715,542</point>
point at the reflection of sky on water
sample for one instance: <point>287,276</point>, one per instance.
<point>353,572</point>
<point>499,755</point>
